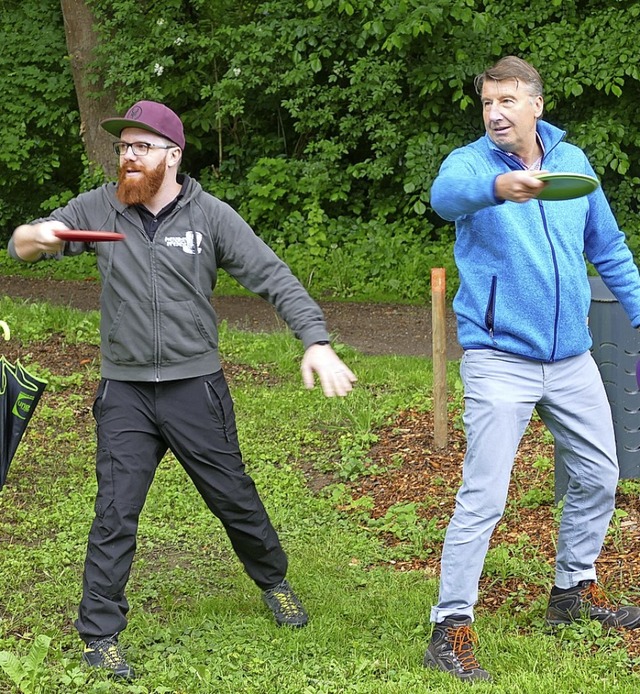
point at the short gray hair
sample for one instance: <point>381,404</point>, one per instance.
<point>511,68</point>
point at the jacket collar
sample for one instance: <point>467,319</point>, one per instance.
<point>550,135</point>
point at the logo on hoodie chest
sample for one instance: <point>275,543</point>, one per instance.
<point>190,242</point>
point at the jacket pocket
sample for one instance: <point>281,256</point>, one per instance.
<point>130,339</point>
<point>490,313</point>
<point>221,406</point>
<point>183,332</point>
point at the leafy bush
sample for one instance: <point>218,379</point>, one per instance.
<point>41,153</point>
<point>324,122</point>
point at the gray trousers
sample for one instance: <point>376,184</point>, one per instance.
<point>136,424</point>
<point>501,392</point>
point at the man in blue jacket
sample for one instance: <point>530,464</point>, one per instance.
<point>522,313</point>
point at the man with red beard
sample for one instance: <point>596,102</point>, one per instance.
<point>162,385</point>
<point>134,189</point>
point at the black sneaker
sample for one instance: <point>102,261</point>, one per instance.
<point>451,649</point>
<point>588,601</point>
<point>285,605</point>
<point>107,654</point>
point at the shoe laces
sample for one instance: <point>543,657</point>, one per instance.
<point>463,639</point>
<point>597,598</point>
<point>109,652</point>
<point>286,601</point>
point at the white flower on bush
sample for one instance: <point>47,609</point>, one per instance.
<point>160,22</point>
<point>179,41</point>
<point>158,69</point>
<point>237,71</point>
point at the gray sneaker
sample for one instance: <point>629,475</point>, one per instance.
<point>285,605</point>
<point>451,649</point>
<point>588,601</point>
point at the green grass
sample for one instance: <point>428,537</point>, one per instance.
<point>197,623</point>
<point>83,267</point>
<point>79,267</point>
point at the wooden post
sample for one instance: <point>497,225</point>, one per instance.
<point>439,338</point>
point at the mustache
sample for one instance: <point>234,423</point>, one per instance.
<point>131,167</point>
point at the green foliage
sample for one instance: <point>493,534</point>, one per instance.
<point>353,459</point>
<point>505,561</point>
<point>77,267</point>
<point>418,536</point>
<point>31,321</point>
<point>27,672</point>
<point>324,122</point>
<point>41,153</point>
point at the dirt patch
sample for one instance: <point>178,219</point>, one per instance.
<point>368,327</point>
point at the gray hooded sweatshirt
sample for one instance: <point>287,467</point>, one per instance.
<point>157,321</point>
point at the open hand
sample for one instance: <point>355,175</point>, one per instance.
<point>335,377</point>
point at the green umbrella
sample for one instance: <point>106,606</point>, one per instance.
<point>20,392</point>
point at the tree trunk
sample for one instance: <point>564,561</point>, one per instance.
<point>94,102</point>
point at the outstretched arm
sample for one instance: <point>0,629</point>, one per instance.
<point>465,184</point>
<point>31,241</point>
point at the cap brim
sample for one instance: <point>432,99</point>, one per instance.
<point>114,126</point>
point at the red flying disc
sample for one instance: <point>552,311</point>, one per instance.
<point>88,236</point>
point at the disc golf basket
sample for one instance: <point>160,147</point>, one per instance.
<point>616,351</point>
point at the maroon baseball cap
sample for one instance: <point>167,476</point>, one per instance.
<point>152,116</point>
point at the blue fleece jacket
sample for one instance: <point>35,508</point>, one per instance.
<point>523,277</point>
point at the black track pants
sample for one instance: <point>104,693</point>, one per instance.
<point>136,424</point>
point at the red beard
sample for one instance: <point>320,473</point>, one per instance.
<point>141,189</point>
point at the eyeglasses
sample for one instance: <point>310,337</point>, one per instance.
<point>140,149</point>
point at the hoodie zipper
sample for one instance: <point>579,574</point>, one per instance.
<point>157,336</point>
<point>154,310</point>
<point>154,295</point>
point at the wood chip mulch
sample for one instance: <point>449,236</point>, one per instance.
<point>413,470</point>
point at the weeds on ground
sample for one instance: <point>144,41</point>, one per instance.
<point>197,623</point>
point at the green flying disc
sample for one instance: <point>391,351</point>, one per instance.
<point>566,186</point>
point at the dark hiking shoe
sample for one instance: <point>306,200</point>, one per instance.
<point>451,649</point>
<point>588,601</point>
<point>107,655</point>
<point>285,605</point>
